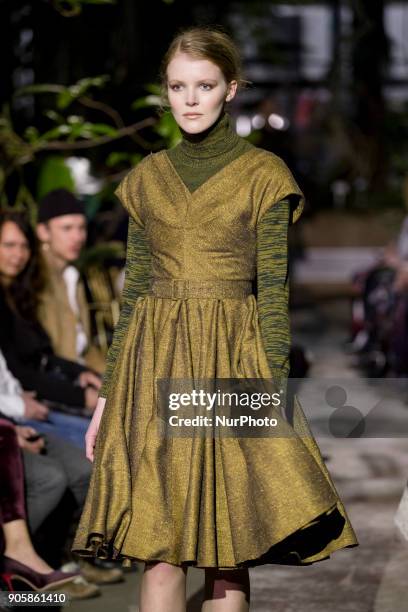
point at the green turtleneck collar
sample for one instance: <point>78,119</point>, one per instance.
<point>219,138</point>
<point>198,156</point>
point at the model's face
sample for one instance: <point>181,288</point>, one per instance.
<point>14,252</point>
<point>197,91</point>
<point>65,236</point>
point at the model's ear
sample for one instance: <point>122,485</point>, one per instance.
<point>43,233</point>
<point>232,88</point>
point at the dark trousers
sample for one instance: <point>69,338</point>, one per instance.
<point>64,466</point>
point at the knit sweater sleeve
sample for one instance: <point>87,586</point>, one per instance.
<point>273,287</point>
<point>137,280</point>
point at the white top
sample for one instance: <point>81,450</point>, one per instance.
<point>11,399</point>
<point>71,278</point>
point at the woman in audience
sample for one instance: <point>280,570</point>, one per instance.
<point>52,467</point>
<point>20,562</point>
<point>25,344</point>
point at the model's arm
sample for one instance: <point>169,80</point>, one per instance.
<point>273,287</point>
<point>137,280</point>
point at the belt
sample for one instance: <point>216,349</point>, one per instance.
<point>181,289</point>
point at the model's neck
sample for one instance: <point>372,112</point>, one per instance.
<point>216,140</point>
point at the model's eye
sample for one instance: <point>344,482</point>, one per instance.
<point>206,86</point>
<point>174,87</point>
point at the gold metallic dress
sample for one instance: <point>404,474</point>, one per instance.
<point>224,502</point>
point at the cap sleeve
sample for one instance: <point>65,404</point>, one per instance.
<point>129,191</point>
<point>280,185</point>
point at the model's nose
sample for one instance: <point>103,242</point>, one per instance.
<point>191,98</point>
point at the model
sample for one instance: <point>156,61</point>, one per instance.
<point>207,217</point>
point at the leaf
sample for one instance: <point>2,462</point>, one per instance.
<point>167,128</point>
<point>83,85</point>
<point>80,130</point>
<point>56,132</point>
<point>153,88</point>
<point>146,101</point>
<point>75,91</point>
<point>72,8</point>
<point>54,116</point>
<point>102,129</point>
<point>31,134</point>
<point>75,120</point>
<point>39,89</point>
<point>135,158</point>
<point>116,157</point>
<point>54,174</point>
<point>64,99</point>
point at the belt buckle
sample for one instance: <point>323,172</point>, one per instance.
<point>179,287</point>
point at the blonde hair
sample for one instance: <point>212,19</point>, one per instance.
<point>204,42</point>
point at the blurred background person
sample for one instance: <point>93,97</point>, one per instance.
<point>63,308</point>
<point>52,467</point>
<point>65,384</point>
<point>19,561</point>
<point>380,309</point>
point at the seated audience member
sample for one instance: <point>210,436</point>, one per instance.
<point>20,562</point>
<point>64,465</point>
<point>63,308</point>
<point>51,467</point>
<point>381,322</point>
<point>25,344</point>
<point>24,409</point>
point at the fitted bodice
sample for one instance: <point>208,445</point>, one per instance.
<point>211,232</point>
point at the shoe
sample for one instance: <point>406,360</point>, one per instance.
<point>100,575</point>
<point>14,571</point>
<point>92,573</point>
<point>80,588</point>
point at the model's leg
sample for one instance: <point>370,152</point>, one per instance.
<point>163,588</point>
<point>226,590</point>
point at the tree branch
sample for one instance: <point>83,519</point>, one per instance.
<point>55,145</point>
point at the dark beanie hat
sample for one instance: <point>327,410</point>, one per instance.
<point>57,203</point>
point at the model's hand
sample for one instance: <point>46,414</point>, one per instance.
<point>92,431</point>
<point>89,378</point>
<point>33,409</point>
<point>91,398</point>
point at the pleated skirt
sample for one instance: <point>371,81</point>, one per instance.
<point>225,502</point>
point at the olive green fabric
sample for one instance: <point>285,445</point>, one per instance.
<point>217,500</point>
<point>196,158</point>
<point>137,279</point>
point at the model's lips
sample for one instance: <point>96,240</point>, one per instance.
<point>192,115</point>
